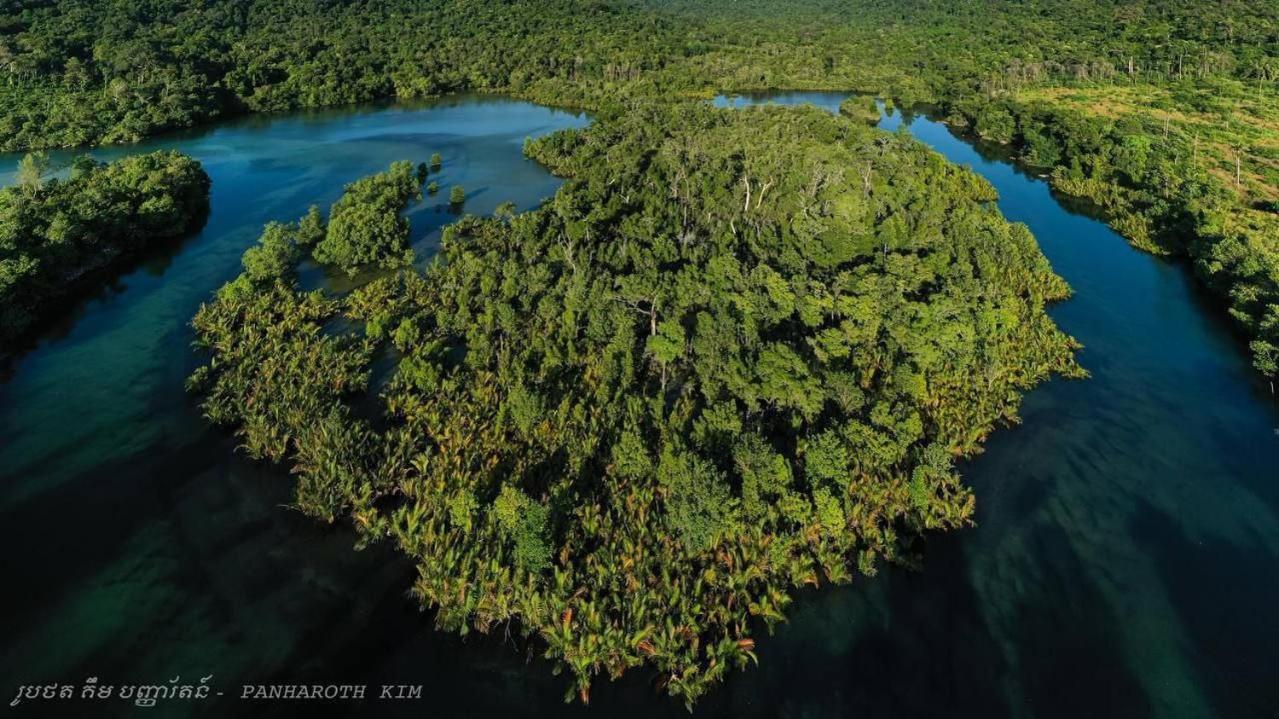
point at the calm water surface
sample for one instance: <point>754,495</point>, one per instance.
<point>1125,562</point>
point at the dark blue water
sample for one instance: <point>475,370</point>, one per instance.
<point>1125,562</point>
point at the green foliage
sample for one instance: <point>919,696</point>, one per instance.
<point>31,171</point>
<point>1154,191</point>
<point>636,418</point>
<point>826,461</point>
<point>461,508</point>
<point>995,123</point>
<point>524,408</point>
<point>860,108</point>
<point>631,459</point>
<point>365,226</point>
<point>524,523</point>
<point>88,73</point>
<point>310,228</point>
<point>734,355</point>
<point>765,475</point>
<point>699,504</point>
<point>457,195</point>
<point>56,235</point>
<point>1041,150</point>
<point>275,257</point>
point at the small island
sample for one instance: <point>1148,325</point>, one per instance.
<point>726,354</point>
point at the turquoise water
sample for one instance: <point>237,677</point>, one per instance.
<point>1125,562</point>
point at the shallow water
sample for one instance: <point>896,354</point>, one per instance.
<point>1124,563</point>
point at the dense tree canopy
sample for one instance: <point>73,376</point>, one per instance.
<point>736,354</point>
<point>75,72</point>
<point>365,226</point>
<point>79,72</point>
<point>55,233</point>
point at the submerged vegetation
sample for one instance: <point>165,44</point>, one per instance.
<point>55,233</point>
<point>736,354</point>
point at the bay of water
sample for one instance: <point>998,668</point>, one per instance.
<point>1125,560</point>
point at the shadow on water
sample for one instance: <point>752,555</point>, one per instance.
<point>894,646</point>
<point>61,314</point>
<point>1067,665</point>
<point>111,512</point>
<point>1213,583</point>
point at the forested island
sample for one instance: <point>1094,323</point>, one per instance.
<point>56,234</point>
<point>737,354</point>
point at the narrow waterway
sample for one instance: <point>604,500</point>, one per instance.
<point>1125,562</point>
